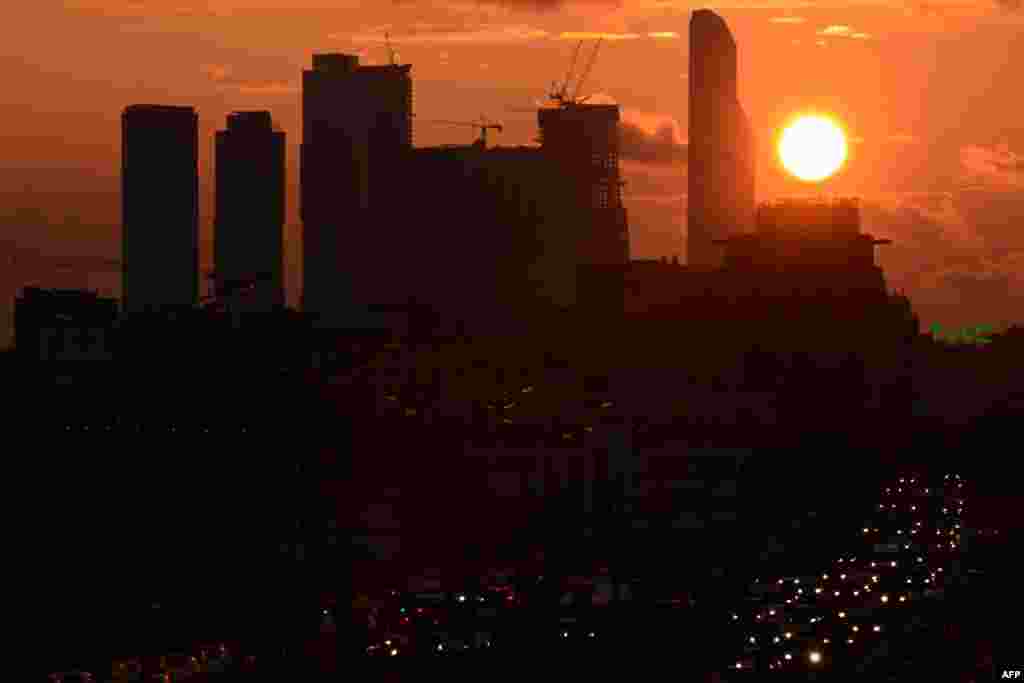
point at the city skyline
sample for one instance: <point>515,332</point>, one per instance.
<point>944,185</point>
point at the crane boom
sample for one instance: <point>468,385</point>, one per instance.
<point>482,125</point>
<point>586,71</point>
<point>561,92</point>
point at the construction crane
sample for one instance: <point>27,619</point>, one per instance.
<point>586,73</point>
<point>560,93</point>
<point>391,51</point>
<point>482,124</point>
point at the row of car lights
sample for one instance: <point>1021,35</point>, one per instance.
<point>913,508</point>
<point>815,657</point>
<point>141,427</point>
<point>899,489</point>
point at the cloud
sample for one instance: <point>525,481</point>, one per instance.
<point>451,34</point>
<point>787,20</point>
<point>223,76</point>
<point>957,255</point>
<point>663,35</point>
<point>268,88</point>
<point>841,30</point>
<point>583,35</point>
<point>640,143</point>
<point>547,5</point>
<point>216,72</point>
<point>993,167</point>
<point>901,138</point>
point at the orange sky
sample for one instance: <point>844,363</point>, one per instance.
<point>928,94</point>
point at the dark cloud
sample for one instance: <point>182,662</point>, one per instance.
<point>660,147</point>
<point>992,166</point>
<point>958,256</point>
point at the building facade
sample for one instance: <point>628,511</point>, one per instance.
<point>485,231</point>
<point>583,141</point>
<point>160,207</point>
<point>250,213</point>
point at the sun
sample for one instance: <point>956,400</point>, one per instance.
<point>812,147</point>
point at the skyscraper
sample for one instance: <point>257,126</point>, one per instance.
<point>582,141</point>
<point>160,207</point>
<point>721,168</point>
<point>249,223</point>
<point>357,124</point>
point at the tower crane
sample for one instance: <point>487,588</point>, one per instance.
<point>560,93</point>
<point>586,73</point>
<point>391,50</point>
<point>482,124</point>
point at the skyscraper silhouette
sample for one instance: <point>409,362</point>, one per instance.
<point>583,140</point>
<point>249,224</point>
<point>721,170</point>
<point>160,207</point>
<point>357,123</point>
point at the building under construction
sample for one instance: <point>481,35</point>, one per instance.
<point>582,141</point>
<point>454,226</point>
<point>512,230</point>
<point>523,227</point>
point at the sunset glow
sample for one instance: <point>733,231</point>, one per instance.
<point>812,148</point>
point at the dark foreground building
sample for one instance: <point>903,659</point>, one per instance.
<point>249,227</point>
<point>64,325</point>
<point>160,207</point>
<point>356,126</point>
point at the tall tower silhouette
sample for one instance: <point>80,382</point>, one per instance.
<point>721,168</point>
<point>357,124</point>
<point>160,207</point>
<point>249,224</point>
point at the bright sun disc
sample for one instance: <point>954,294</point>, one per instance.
<point>812,148</point>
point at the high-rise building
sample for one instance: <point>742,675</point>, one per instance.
<point>357,125</point>
<point>160,207</point>
<point>720,171</point>
<point>250,213</point>
<point>582,141</point>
